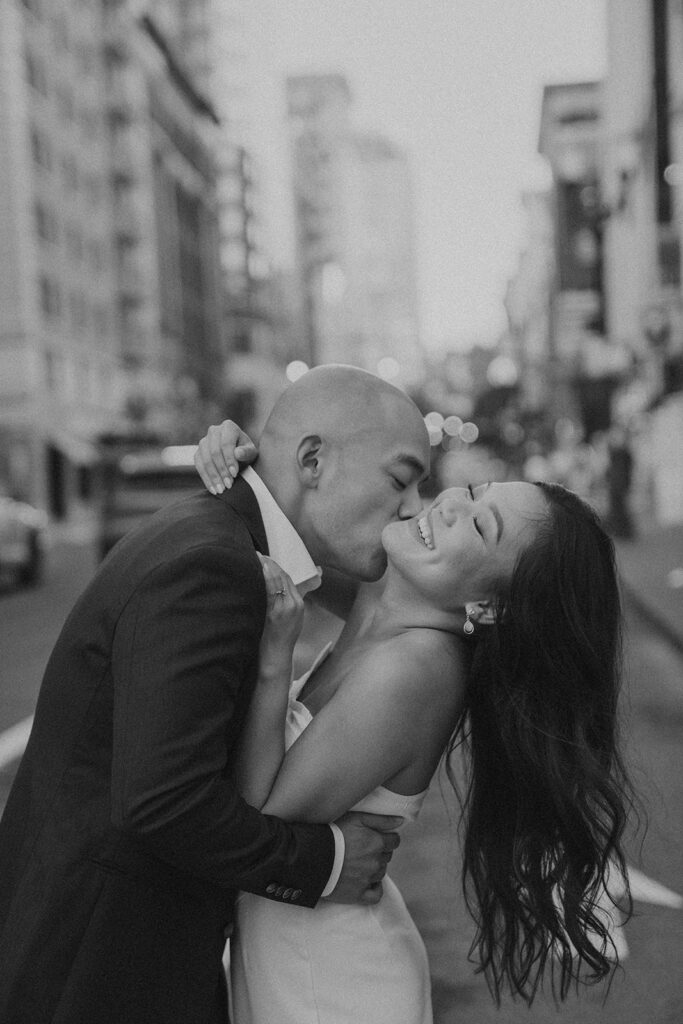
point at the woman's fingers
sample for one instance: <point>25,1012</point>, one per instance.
<point>285,604</point>
<point>219,453</point>
<point>207,471</point>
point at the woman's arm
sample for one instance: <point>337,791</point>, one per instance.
<point>392,714</point>
<point>262,745</point>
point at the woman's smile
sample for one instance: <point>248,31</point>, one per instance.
<point>424,530</point>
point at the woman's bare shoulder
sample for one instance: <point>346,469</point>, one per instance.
<point>414,665</point>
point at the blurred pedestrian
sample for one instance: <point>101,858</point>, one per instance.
<point>619,475</point>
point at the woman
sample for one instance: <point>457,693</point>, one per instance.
<point>496,625</point>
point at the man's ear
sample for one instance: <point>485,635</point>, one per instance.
<point>308,459</point>
<point>481,612</point>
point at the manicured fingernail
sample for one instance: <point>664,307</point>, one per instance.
<point>212,489</point>
<point>219,487</point>
<point>233,470</point>
<point>228,482</point>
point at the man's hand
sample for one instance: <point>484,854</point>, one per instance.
<point>370,841</point>
<point>219,454</point>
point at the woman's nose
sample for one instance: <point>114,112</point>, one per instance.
<point>450,508</point>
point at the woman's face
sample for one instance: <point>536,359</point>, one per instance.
<point>465,545</point>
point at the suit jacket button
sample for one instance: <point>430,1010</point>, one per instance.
<point>270,889</point>
<point>296,894</point>
<point>287,894</point>
<point>279,891</point>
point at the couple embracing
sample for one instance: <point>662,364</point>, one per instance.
<point>178,788</point>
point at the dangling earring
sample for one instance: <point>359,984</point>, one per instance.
<point>468,625</point>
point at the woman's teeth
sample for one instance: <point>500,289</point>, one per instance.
<point>425,532</point>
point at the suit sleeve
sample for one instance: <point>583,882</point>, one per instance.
<point>184,650</point>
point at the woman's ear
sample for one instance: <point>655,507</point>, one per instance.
<point>308,459</point>
<point>480,612</point>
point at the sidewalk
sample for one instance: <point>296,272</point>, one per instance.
<point>651,570</point>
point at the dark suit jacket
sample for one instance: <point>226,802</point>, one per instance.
<point>124,839</point>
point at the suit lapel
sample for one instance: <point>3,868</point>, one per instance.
<point>243,500</point>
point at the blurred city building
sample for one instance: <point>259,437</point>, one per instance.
<point>162,132</point>
<point>642,177</point>
<point>60,366</point>
<point>109,300</point>
<point>595,306</point>
<point>216,41</point>
<point>355,238</point>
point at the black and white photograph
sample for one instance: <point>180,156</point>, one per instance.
<point>341,512</point>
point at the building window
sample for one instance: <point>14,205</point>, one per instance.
<point>61,32</point>
<point>40,149</point>
<point>96,257</point>
<point>47,227</point>
<point>92,185</point>
<point>50,371</point>
<point>70,173</point>
<point>34,7</point>
<point>36,75</point>
<point>101,322</point>
<point>65,102</point>
<point>50,296</point>
<point>74,244</point>
<point>78,311</point>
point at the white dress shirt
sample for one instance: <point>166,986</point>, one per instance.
<point>286,547</point>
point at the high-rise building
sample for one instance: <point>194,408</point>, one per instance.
<point>59,339</point>
<point>213,41</point>
<point>165,224</point>
<point>355,239</point>
<point>108,304</point>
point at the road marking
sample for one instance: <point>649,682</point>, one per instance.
<point>13,741</point>
<point>646,890</point>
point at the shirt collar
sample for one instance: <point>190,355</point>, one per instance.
<point>284,543</point>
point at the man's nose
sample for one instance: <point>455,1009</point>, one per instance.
<point>411,503</point>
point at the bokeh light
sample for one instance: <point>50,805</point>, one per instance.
<point>452,425</point>
<point>388,368</point>
<point>469,432</point>
<point>434,419</point>
<point>297,368</point>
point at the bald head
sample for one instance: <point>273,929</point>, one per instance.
<point>335,432</point>
<point>339,401</point>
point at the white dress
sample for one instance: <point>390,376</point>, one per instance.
<point>335,964</point>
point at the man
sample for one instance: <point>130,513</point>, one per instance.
<point>124,838</point>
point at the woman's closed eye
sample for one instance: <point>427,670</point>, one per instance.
<point>474,518</point>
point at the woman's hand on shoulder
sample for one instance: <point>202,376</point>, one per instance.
<point>284,619</point>
<point>219,454</point>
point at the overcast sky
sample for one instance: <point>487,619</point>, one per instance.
<point>458,83</point>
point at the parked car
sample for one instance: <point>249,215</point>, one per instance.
<point>137,481</point>
<point>22,534</point>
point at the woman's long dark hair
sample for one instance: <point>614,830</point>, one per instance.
<point>547,795</point>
